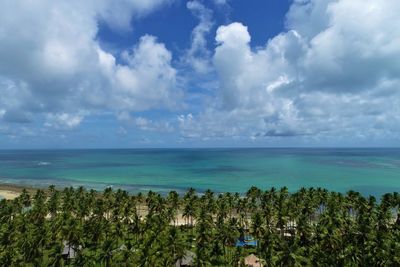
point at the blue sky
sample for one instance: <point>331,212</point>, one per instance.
<point>199,73</point>
<point>174,23</point>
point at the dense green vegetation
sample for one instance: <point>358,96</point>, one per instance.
<point>312,227</point>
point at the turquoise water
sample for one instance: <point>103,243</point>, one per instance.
<point>370,171</point>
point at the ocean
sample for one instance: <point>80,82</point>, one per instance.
<point>369,171</point>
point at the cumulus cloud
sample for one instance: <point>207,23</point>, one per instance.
<point>52,63</point>
<point>144,124</point>
<point>63,120</point>
<point>220,2</point>
<point>350,55</point>
<point>198,55</point>
<point>119,13</point>
<point>147,80</point>
<point>150,125</point>
<point>332,73</point>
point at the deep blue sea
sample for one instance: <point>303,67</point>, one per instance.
<point>370,171</point>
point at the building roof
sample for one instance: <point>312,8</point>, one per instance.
<point>252,261</point>
<point>69,251</point>
<point>186,260</point>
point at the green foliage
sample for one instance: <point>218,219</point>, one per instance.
<point>310,227</point>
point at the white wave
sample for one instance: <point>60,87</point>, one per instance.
<point>43,163</point>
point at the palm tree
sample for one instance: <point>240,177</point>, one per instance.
<point>257,228</point>
<point>105,251</point>
<point>175,244</point>
<point>204,236</point>
<point>55,257</point>
<point>308,227</point>
<point>173,203</point>
<point>290,254</point>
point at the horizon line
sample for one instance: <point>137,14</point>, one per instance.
<point>222,147</point>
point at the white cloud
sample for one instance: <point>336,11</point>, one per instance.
<point>308,17</point>
<point>148,80</point>
<point>220,2</point>
<point>350,55</point>
<point>198,55</point>
<point>332,73</point>
<point>119,13</point>
<point>63,120</point>
<point>52,62</point>
<point>150,125</point>
<point>247,78</point>
<point>144,124</point>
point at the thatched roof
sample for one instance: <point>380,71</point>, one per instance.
<point>186,260</point>
<point>252,261</point>
<point>68,251</point>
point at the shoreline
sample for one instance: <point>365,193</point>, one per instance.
<point>12,191</point>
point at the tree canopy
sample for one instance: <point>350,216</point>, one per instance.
<point>317,227</point>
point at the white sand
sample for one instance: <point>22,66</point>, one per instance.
<point>7,194</point>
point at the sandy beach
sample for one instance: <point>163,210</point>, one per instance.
<point>7,194</point>
<point>9,191</point>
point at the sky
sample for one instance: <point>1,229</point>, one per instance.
<point>199,73</point>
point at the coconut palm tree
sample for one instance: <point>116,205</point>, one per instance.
<point>308,227</point>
